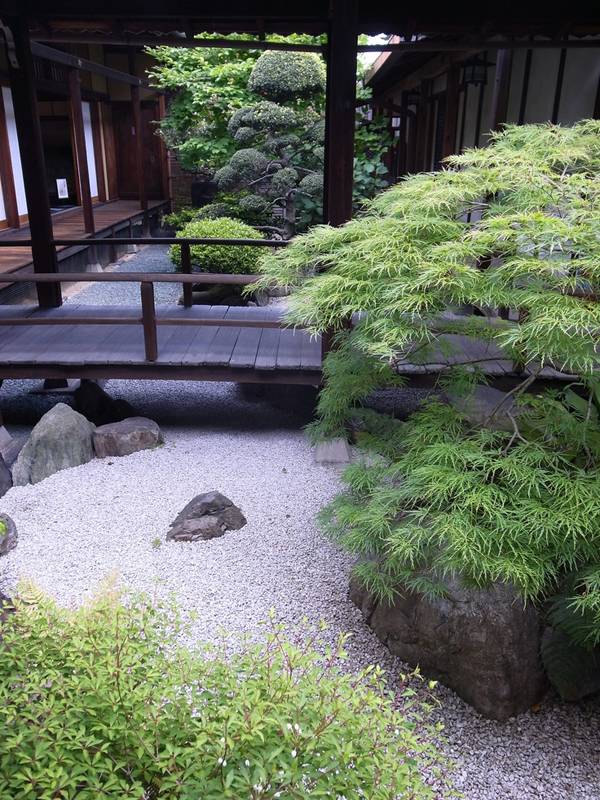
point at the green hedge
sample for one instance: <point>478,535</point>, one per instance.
<point>229,259</point>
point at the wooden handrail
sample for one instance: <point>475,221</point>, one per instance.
<point>112,240</point>
<point>128,277</point>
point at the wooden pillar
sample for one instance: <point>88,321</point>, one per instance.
<point>452,102</point>
<point>501,88</point>
<point>6,172</point>
<point>80,149</point>
<point>32,159</point>
<point>340,112</point>
<point>139,146</point>
<point>164,155</point>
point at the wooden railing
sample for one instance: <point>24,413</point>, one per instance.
<point>148,318</point>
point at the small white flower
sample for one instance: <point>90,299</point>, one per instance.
<point>294,754</point>
<point>297,728</point>
<point>247,763</point>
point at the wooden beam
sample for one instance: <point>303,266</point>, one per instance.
<point>70,60</point>
<point>6,172</point>
<point>451,118</point>
<point>164,155</point>
<point>340,112</point>
<point>22,81</point>
<point>525,86</point>
<point>560,76</point>
<point>139,146</point>
<point>80,149</point>
<point>499,111</point>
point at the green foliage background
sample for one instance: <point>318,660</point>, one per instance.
<point>230,259</point>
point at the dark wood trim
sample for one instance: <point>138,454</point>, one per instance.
<point>108,136</point>
<point>499,111</point>
<point>423,124</point>
<point>80,149</point>
<point>340,112</point>
<point>596,112</point>
<point>525,86</point>
<point>139,146</point>
<point>33,164</point>
<point>75,62</point>
<point>6,172</point>
<point>451,119</point>
<point>479,116</point>
<point>164,155</point>
<point>463,117</point>
<point>98,156</point>
<point>560,76</point>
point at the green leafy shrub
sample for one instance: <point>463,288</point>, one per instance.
<point>281,75</point>
<point>231,259</point>
<point>102,702</point>
<point>512,226</point>
<point>177,219</point>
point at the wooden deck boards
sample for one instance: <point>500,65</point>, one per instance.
<point>69,225</point>
<point>209,352</point>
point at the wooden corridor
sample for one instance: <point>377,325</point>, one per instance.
<point>108,217</point>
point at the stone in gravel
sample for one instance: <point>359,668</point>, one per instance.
<point>8,535</point>
<point>126,437</point>
<point>207,516</point>
<point>5,478</point>
<point>484,644</point>
<point>99,407</point>
<point>333,451</point>
<point>61,439</point>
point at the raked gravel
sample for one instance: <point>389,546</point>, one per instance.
<point>103,519</point>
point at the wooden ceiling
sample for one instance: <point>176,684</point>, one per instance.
<point>131,21</point>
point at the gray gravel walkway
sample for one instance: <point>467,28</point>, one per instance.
<point>82,525</point>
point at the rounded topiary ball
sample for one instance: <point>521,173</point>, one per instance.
<point>230,259</point>
<point>280,75</point>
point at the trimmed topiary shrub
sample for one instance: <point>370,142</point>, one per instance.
<point>228,259</point>
<point>103,702</point>
<point>280,75</point>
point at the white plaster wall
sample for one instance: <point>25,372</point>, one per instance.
<point>15,156</point>
<point>582,72</point>
<point>89,148</point>
<point>2,207</point>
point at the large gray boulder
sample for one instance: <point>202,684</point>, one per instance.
<point>61,439</point>
<point>8,534</point>
<point>206,516</point>
<point>484,644</point>
<point>5,478</point>
<point>126,437</point>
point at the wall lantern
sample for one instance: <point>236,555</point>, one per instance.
<point>475,71</point>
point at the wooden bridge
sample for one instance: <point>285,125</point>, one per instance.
<point>218,343</point>
<point>194,342</point>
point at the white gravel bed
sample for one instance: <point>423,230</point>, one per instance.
<point>83,525</point>
<point>101,519</point>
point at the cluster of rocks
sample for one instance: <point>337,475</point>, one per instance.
<point>64,438</point>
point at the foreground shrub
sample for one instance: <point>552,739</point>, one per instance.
<point>102,703</point>
<point>219,258</point>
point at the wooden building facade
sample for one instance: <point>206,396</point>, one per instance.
<point>442,103</point>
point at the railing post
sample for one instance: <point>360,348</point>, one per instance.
<point>186,268</point>
<point>149,320</point>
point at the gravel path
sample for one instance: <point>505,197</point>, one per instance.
<point>82,525</point>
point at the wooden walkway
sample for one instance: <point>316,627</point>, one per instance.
<point>185,351</point>
<point>70,225</point>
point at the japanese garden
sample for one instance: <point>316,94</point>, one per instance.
<point>300,406</point>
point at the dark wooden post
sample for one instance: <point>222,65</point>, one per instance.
<point>139,146</point>
<point>80,149</point>
<point>149,320</point>
<point>451,120</point>
<point>6,172</point>
<point>186,268</point>
<point>32,159</point>
<point>501,88</point>
<point>340,112</point>
<point>164,155</point>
